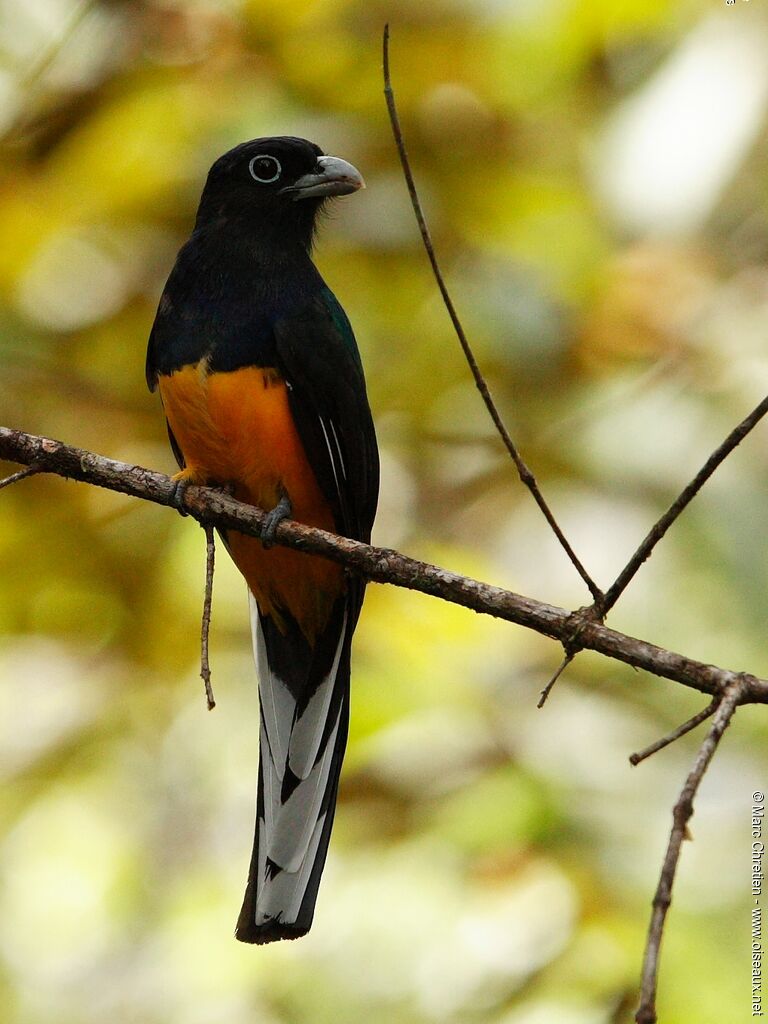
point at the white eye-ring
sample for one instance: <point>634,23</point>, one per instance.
<point>265,169</point>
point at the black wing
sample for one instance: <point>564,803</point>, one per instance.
<point>318,357</point>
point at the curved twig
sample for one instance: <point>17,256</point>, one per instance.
<point>524,472</point>
<point>646,1011</point>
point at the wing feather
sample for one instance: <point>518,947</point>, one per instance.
<point>317,355</point>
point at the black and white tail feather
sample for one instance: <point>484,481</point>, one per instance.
<point>304,699</point>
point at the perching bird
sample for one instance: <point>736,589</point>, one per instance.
<point>263,390</point>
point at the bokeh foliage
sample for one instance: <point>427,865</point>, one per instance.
<point>491,863</point>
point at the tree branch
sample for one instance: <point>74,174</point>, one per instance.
<point>381,565</point>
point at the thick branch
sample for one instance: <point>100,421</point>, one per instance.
<point>381,565</point>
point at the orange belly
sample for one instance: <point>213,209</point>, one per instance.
<point>236,428</point>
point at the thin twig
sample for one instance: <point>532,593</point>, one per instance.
<point>559,671</point>
<point>205,668</point>
<point>660,528</point>
<point>524,472</point>
<point>681,730</point>
<point>646,1011</point>
<point>381,565</point>
<point>21,475</point>
<point>580,618</point>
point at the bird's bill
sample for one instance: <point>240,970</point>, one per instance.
<point>333,177</point>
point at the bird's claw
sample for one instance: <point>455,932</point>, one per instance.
<point>176,498</point>
<point>282,510</point>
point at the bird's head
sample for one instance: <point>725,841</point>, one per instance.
<point>275,187</point>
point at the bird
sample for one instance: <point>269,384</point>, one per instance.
<point>263,391</point>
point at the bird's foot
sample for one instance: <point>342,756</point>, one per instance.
<point>282,510</point>
<point>181,482</point>
<point>177,496</point>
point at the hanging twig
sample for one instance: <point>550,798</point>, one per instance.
<point>205,628</point>
<point>646,1012</point>
<point>558,672</point>
<point>524,472</point>
<point>681,730</point>
<point>580,618</point>
<point>684,498</point>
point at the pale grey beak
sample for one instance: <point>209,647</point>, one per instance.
<point>332,177</point>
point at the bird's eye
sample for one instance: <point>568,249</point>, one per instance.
<point>265,169</point>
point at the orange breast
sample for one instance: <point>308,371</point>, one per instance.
<point>237,428</point>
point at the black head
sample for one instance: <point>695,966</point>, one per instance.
<point>274,188</point>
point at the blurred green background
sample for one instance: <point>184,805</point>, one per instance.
<point>595,178</point>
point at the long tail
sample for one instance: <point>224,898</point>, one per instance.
<point>304,699</point>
